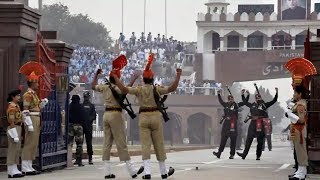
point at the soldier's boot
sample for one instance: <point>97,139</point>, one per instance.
<point>218,154</point>
<point>300,174</point>
<point>164,172</point>
<point>13,172</point>
<point>26,170</point>
<point>231,157</point>
<point>79,162</point>
<point>108,174</point>
<point>258,158</point>
<point>241,155</point>
<point>147,169</point>
<point>90,160</point>
<point>133,171</point>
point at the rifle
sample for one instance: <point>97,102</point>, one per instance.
<point>248,118</point>
<point>222,119</point>
<point>255,85</point>
<point>229,90</point>
<point>160,104</point>
<point>120,99</point>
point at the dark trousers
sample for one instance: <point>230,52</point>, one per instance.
<point>239,141</point>
<point>88,135</point>
<point>295,159</point>
<point>233,142</point>
<point>268,137</point>
<point>251,135</point>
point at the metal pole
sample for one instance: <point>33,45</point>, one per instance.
<point>122,17</point>
<point>166,30</point>
<point>144,24</point>
<point>40,9</point>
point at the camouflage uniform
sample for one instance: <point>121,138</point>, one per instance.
<point>76,133</point>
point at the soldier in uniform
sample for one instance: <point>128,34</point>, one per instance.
<point>258,112</point>
<point>76,121</point>
<point>150,121</point>
<point>90,114</point>
<point>229,128</point>
<point>14,117</point>
<point>298,130</point>
<point>31,115</point>
<point>114,124</point>
<point>268,132</point>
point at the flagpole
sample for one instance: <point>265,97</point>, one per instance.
<point>144,24</point>
<point>122,18</point>
<point>40,9</point>
<point>165,9</point>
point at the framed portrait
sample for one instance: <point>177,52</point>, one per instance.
<point>293,9</point>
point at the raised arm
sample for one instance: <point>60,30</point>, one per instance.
<point>175,83</point>
<point>244,99</point>
<point>220,99</point>
<point>135,77</point>
<point>275,99</point>
<point>95,80</point>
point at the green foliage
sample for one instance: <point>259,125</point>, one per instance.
<point>75,29</point>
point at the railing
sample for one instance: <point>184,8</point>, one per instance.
<point>208,91</point>
<point>254,49</point>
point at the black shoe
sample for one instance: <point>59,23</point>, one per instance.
<point>217,154</point>
<point>80,165</point>
<point>16,176</point>
<point>31,173</point>
<point>90,160</point>
<point>258,158</point>
<point>110,176</point>
<point>147,176</point>
<point>241,155</point>
<point>171,171</point>
<point>141,169</point>
<point>231,157</point>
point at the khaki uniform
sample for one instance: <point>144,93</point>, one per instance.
<point>299,134</point>
<point>150,123</point>
<point>114,126</point>
<point>31,100</point>
<point>14,149</point>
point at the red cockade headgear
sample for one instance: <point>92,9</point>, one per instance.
<point>119,64</point>
<point>148,73</point>
<point>300,68</point>
<point>32,71</point>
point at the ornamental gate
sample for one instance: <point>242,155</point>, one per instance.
<point>54,86</point>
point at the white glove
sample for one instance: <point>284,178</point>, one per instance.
<point>293,118</point>
<point>13,133</point>
<point>44,102</point>
<point>290,105</point>
<point>27,120</point>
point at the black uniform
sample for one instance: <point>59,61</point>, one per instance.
<point>256,129</point>
<point>230,127</point>
<point>90,114</point>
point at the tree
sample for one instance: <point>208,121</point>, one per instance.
<point>75,29</point>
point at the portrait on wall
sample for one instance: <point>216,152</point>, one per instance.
<point>293,9</point>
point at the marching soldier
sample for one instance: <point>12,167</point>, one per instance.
<point>150,121</point>
<point>298,130</point>
<point>31,115</point>
<point>258,112</point>
<point>14,117</point>
<point>76,121</point>
<point>230,127</point>
<point>268,132</point>
<point>90,114</point>
<point>114,124</point>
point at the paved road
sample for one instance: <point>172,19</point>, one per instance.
<point>274,165</point>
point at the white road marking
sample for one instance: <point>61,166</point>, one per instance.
<point>121,164</point>
<point>284,166</point>
<point>176,171</point>
<point>212,162</point>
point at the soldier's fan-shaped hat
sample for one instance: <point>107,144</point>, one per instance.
<point>148,73</point>
<point>119,64</point>
<point>32,71</point>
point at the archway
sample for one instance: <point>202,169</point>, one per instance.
<point>199,128</point>
<point>281,40</point>
<point>256,41</point>
<point>234,40</point>
<point>172,129</point>
<point>211,41</point>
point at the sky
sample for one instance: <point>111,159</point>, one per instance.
<point>181,21</point>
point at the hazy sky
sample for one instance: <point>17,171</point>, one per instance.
<point>181,14</point>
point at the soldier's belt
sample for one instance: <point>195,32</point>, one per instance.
<point>113,109</point>
<point>34,113</point>
<point>151,109</point>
